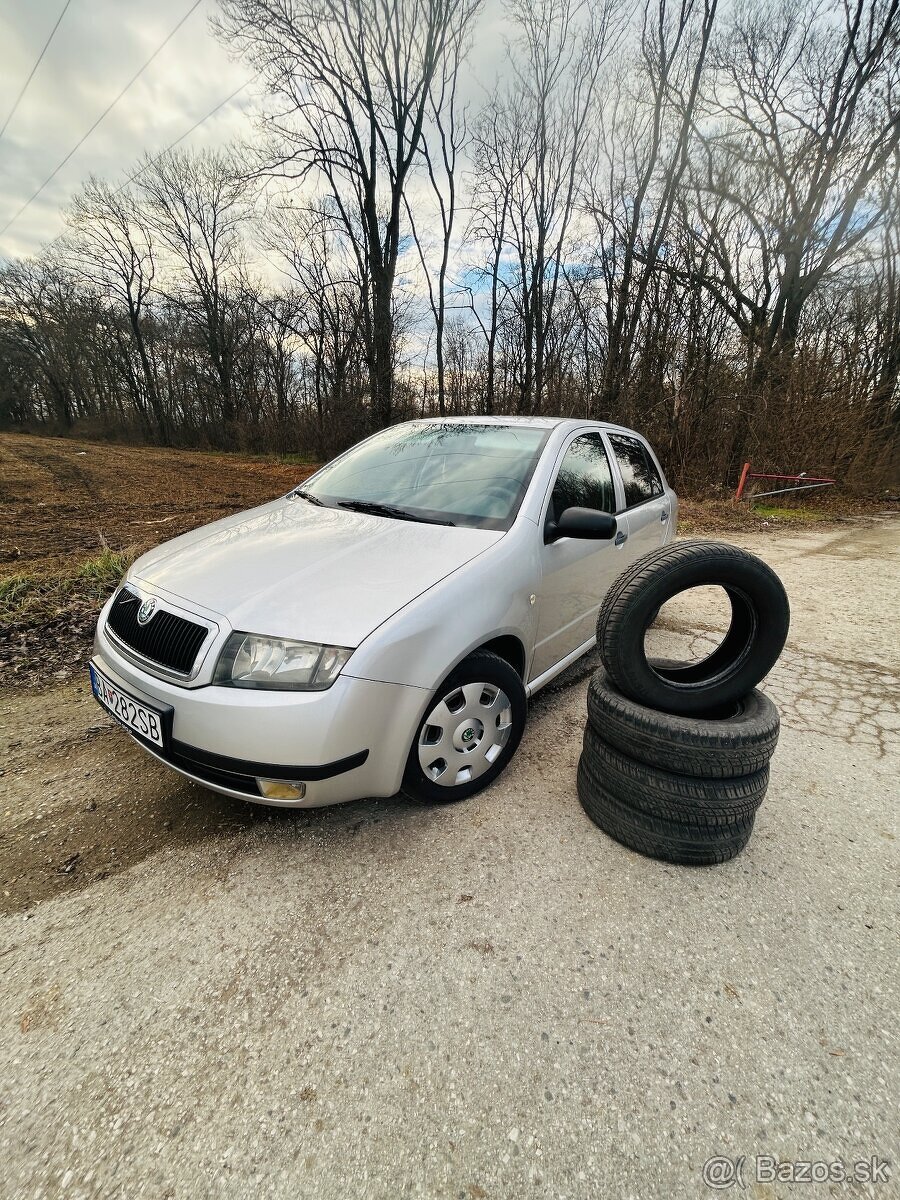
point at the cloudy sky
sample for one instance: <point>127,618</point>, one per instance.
<point>98,47</point>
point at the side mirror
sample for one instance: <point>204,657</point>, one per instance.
<point>581,523</point>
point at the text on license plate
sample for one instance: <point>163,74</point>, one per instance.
<point>135,716</point>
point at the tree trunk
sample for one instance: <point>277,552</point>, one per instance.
<point>382,352</point>
<point>156,407</point>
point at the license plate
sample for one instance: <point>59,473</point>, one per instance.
<point>137,717</point>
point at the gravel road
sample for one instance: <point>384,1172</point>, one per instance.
<point>201,998</point>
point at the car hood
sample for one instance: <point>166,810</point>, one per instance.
<point>291,569</point>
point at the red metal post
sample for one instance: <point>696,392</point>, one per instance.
<point>804,477</point>
<point>743,480</point>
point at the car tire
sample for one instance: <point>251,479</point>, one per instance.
<point>723,744</point>
<point>648,789</point>
<point>466,737</point>
<point>690,841</point>
<point>755,638</point>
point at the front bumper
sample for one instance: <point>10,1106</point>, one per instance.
<point>345,743</point>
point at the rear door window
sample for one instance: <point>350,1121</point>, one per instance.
<point>640,477</point>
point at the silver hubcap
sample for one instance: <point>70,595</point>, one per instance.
<point>464,734</point>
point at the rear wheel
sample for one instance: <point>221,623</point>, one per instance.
<point>471,730</point>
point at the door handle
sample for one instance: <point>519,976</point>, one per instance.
<point>664,515</point>
<point>621,538</point>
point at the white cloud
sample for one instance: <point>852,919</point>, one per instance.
<point>98,47</point>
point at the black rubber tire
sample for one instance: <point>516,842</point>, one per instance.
<point>704,746</point>
<point>694,842</point>
<point>483,667</point>
<point>674,797</point>
<point>756,637</point>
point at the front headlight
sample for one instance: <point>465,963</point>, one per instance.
<point>279,664</point>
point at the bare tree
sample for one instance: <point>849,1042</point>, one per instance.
<point>112,248</point>
<point>530,149</point>
<point>444,137</point>
<point>800,126</point>
<point>564,51</point>
<point>356,80</point>
<point>492,195</point>
<point>808,119</point>
<point>197,206</point>
<point>325,312</point>
<point>885,327</point>
<point>41,311</point>
<point>643,155</point>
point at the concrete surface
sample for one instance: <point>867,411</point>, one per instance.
<point>488,1000</point>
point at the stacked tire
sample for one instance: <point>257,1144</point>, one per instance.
<point>676,755</point>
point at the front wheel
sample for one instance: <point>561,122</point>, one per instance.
<point>471,730</point>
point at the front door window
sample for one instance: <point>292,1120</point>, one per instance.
<point>585,479</point>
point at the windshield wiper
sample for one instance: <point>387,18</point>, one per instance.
<point>388,510</point>
<point>307,496</point>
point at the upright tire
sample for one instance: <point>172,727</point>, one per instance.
<point>760,616</point>
<point>738,740</point>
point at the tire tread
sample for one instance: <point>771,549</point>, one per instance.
<point>653,791</point>
<point>694,842</point>
<point>703,748</point>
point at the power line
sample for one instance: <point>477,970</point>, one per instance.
<point>187,133</point>
<point>12,111</point>
<point>105,112</point>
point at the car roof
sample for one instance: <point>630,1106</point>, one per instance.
<point>532,422</point>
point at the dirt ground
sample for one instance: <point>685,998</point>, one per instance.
<point>63,499</point>
<point>67,504</point>
<point>205,998</point>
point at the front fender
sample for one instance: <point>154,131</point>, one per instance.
<point>488,597</point>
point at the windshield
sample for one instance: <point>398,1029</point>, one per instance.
<point>473,475</point>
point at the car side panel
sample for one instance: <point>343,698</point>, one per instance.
<point>646,526</point>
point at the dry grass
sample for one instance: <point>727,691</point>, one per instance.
<point>35,599</point>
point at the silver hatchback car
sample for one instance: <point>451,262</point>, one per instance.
<point>383,625</point>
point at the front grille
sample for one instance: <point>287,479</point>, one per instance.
<point>167,639</point>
